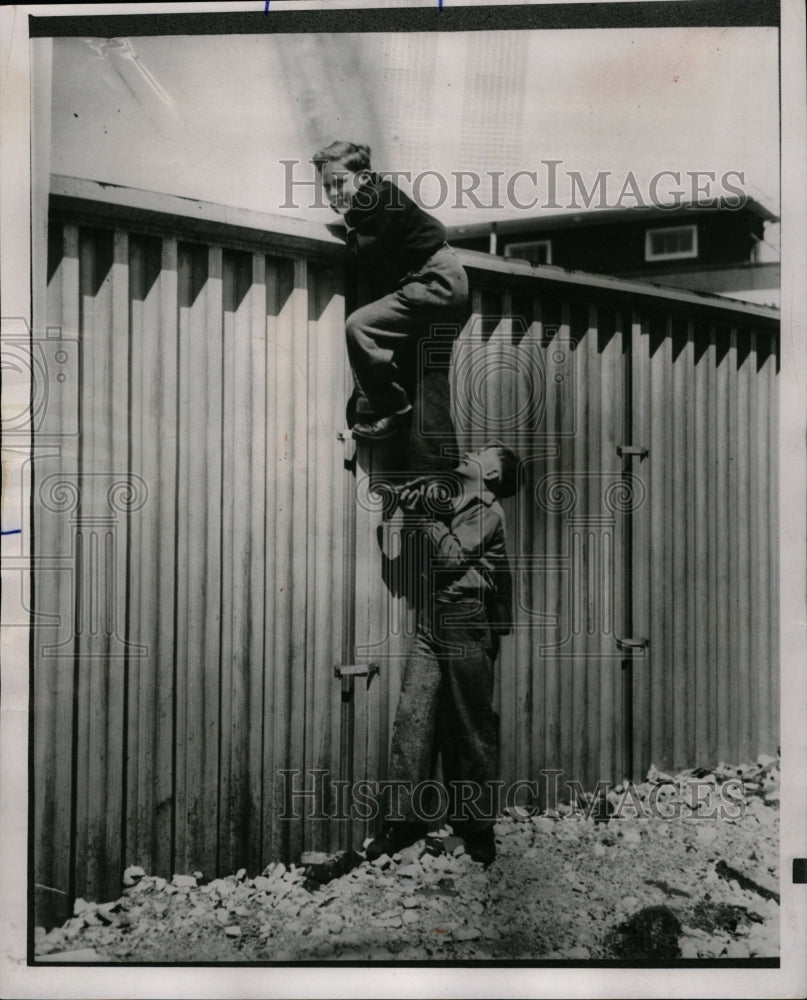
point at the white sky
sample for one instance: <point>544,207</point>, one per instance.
<point>210,117</point>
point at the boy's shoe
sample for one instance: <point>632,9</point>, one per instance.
<point>393,838</point>
<point>359,410</point>
<point>481,846</point>
<point>384,427</point>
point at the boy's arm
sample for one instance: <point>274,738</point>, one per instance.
<point>381,215</point>
<point>468,537</point>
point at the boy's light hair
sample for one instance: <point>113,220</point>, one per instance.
<point>507,485</point>
<point>352,155</point>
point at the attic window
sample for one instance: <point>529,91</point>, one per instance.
<point>671,243</point>
<point>536,252</point>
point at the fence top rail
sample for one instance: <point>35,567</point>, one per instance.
<point>575,283</point>
<point>151,212</point>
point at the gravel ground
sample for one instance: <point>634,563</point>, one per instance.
<point>564,886</point>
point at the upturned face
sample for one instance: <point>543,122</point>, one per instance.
<point>341,185</point>
<point>486,462</point>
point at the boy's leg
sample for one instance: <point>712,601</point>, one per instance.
<point>412,750</point>
<point>382,336</point>
<point>377,334</point>
<point>468,737</point>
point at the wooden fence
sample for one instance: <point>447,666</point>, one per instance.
<point>208,550</point>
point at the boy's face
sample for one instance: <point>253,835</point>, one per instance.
<point>486,463</point>
<point>340,184</point>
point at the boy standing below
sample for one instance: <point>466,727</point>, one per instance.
<point>446,696</point>
<point>405,250</point>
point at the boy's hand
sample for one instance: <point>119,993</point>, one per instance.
<point>411,498</point>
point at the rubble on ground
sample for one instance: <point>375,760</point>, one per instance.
<point>614,879</point>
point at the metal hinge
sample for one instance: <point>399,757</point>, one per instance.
<point>629,450</point>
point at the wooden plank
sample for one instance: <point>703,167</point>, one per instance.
<point>641,539</point>
<point>191,502</point>
<point>524,540</point>
<point>680,521</point>
<point>725,746</point>
<point>234,499</point>
<point>274,718</point>
<point>257,437</point>
<point>560,541</point>
<point>743,526</point>
<point>211,420</point>
<point>117,570</point>
<point>662,540</point>
<point>282,461</point>
<point>86,751</point>
<point>189,217</point>
<point>759,556</point>
<point>164,555</point>
<point>773,444</point>
<point>53,593</point>
<point>699,553</point>
<point>143,607</point>
<point>501,388</point>
<point>296,420</point>
<point>734,644</point>
<point>323,599</point>
<point>605,677</point>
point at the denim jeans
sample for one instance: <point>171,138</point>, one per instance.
<point>445,706</point>
<point>382,336</point>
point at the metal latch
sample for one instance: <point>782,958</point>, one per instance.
<point>633,643</point>
<point>367,670</point>
<point>346,674</point>
<point>628,450</point>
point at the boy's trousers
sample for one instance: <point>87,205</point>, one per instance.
<point>383,336</point>
<point>445,706</point>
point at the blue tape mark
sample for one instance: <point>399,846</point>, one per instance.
<point>440,4</point>
<point>266,7</point>
<point>12,531</point>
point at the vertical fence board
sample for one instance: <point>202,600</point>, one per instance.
<point>53,600</point>
<point>256,360</point>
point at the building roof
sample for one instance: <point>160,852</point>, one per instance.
<point>606,216</point>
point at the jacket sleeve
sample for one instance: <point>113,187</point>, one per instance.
<point>466,539</point>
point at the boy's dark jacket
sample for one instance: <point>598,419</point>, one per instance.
<point>389,232</point>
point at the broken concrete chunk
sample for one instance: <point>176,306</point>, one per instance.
<point>578,954</point>
<point>467,934</point>
<point>132,875</point>
<point>409,855</point>
<point>689,947</point>
<point>233,931</point>
<point>184,881</point>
